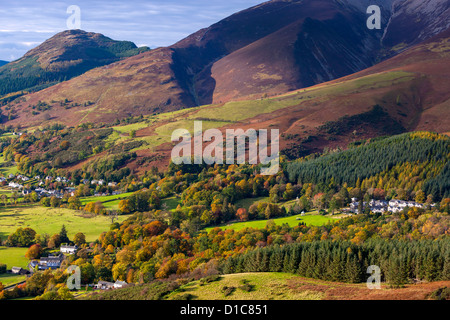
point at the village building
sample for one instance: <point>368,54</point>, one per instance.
<point>19,270</point>
<point>119,284</point>
<point>383,206</point>
<point>50,262</point>
<point>104,285</point>
<point>68,249</point>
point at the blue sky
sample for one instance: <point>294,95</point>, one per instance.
<point>24,24</point>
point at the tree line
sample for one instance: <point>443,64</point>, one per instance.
<point>400,261</point>
<point>373,158</point>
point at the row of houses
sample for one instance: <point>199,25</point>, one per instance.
<point>54,262</point>
<point>383,206</point>
<point>46,193</point>
<point>17,185</point>
<point>58,179</point>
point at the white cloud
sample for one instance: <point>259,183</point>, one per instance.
<point>159,22</point>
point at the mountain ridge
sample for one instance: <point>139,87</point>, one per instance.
<point>65,55</point>
<point>289,45</point>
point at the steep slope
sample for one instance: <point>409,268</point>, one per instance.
<point>413,21</point>
<point>286,45</point>
<point>275,47</point>
<point>408,92</point>
<point>269,49</point>
<point>143,84</point>
<point>300,55</point>
<point>64,56</point>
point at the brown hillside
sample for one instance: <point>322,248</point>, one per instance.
<point>272,48</point>
<point>143,84</point>
<point>412,91</point>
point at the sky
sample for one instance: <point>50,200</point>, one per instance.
<point>24,24</point>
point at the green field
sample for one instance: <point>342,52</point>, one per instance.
<point>265,286</point>
<point>13,257</point>
<point>247,202</point>
<point>171,203</point>
<point>6,170</point>
<point>110,202</point>
<point>50,220</point>
<point>9,279</point>
<point>129,127</point>
<point>311,218</point>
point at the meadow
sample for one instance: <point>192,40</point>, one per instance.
<point>8,279</point>
<point>286,286</point>
<point>109,202</point>
<point>260,286</point>
<point>7,168</point>
<point>171,203</point>
<point>311,218</point>
<point>12,257</point>
<point>50,220</point>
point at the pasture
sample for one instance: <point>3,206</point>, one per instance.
<point>50,220</point>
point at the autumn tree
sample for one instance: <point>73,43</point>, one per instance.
<point>125,206</point>
<point>242,214</point>
<point>64,145</point>
<point>22,237</point>
<point>54,241</point>
<point>319,201</point>
<point>34,252</point>
<point>74,203</point>
<point>79,238</point>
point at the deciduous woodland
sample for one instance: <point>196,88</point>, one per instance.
<point>87,182</point>
<point>158,242</point>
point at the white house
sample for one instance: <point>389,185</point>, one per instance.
<point>15,185</point>
<point>119,284</point>
<point>68,249</point>
<point>104,285</point>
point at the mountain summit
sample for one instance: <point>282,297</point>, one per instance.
<point>62,57</point>
<point>269,49</point>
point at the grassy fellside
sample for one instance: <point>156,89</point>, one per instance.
<point>308,219</point>
<point>264,286</point>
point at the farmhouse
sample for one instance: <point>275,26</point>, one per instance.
<point>15,185</point>
<point>119,284</point>
<point>104,285</point>
<point>50,262</point>
<point>19,270</point>
<point>68,249</point>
